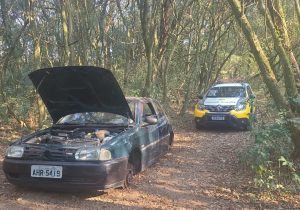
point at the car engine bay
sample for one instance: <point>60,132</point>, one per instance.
<point>90,136</point>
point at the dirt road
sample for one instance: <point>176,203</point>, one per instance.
<point>201,172</point>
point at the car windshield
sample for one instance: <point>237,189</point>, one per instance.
<point>94,118</point>
<point>226,92</point>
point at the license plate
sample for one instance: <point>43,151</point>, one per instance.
<point>46,171</point>
<point>217,118</point>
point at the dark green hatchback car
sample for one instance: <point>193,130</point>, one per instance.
<point>99,139</point>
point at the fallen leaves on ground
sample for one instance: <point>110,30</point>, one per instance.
<point>202,171</point>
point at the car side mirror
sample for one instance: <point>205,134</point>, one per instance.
<point>252,97</point>
<point>200,96</point>
<point>151,120</point>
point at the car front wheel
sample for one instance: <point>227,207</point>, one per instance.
<point>248,126</point>
<point>198,127</point>
<point>129,175</point>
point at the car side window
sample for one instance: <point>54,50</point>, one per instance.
<point>160,110</point>
<point>148,110</point>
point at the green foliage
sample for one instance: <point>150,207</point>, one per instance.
<point>296,102</point>
<point>18,103</point>
<point>268,158</point>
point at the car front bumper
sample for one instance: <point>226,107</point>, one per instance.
<point>229,120</point>
<point>75,175</point>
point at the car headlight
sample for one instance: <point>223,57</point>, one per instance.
<point>105,154</point>
<point>15,151</point>
<point>201,105</point>
<point>240,105</point>
<point>92,154</point>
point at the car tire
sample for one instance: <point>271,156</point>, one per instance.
<point>198,127</point>
<point>171,140</point>
<point>248,126</point>
<point>129,175</point>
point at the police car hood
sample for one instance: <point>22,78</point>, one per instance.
<point>228,101</point>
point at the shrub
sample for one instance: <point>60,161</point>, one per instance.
<point>269,158</point>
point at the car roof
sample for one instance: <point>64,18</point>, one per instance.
<point>230,85</point>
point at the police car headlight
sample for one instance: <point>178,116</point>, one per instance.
<point>241,105</point>
<point>201,105</point>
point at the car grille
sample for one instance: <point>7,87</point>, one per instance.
<point>51,154</point>
<point>219,108</point>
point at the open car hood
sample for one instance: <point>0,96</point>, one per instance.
<point>74,89</point>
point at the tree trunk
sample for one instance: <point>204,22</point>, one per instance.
<point>297,8</point>
<point>188,82</point>
<point>102,20</point>
<point>283,47</point>
<point>265,67</point>
<point>70,32</point>
<point>280,22</point>
<point>37,59</point>
<point>147,17</point>
<point>41,110</point>
<point>147,86</point>
<point>165,73</point>
<point>260,56</point>
<point>66,51</point>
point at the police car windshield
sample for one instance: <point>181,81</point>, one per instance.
<point>226,92</point>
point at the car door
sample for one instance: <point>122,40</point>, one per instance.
<point>163,128</point>
<point>149,135</point>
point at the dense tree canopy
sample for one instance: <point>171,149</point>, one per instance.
<point>170,50</point>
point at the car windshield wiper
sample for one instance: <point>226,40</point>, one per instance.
<point>113,124</point>
<point>67,123</point>
<point>93,124</point>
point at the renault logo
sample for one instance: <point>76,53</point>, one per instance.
<point>219,108</point>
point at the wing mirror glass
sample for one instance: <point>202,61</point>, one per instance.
<point>151,120</point>
<point>252,96</point>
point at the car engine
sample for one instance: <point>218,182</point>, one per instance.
<point>73,137</point>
